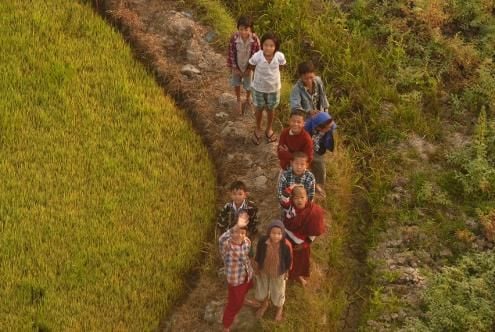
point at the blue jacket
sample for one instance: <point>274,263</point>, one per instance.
<point>320,143</point>
<point>300,98</point>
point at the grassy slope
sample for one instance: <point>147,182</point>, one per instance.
<point>99,216</point>
<point>324,305</point>
<point>394,69</point>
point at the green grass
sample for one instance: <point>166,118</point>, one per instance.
<point>107,193</point>
<point>392,69</point>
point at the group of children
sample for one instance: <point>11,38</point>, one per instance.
<point>283,252</point>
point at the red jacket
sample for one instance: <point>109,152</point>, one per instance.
<point>301,142</point>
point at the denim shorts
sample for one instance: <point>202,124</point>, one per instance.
<point>238,80</point>
<point>268,100</point>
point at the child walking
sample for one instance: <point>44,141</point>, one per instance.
<point>235,248</point>
<point>320,127</point>
<point>273,261</point>
<point>308,93</point>
<point>242,45</point>
<point>266,84</point>
<point>303,221</point>
<point>227,218</point>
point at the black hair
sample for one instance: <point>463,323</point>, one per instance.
<point>324,124</point>
<point>305,67</point>
<point>245,21</point>
<point>298,112</point>
<point>272,36</point>
<point>238,185</point>
<point>299,154</point>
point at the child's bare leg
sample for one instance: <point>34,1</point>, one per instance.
<point>279,313</point>
<point>237,90</point>
<point>269,122</point>
<point>252,303</point>
<point>259,117</point>
<point>302,280</point>
<point>248,96</point>
<point>261,311</point>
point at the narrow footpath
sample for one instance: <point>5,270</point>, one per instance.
<point>177,50</point>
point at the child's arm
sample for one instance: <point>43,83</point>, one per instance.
<point>281,62</point>
<point>224,238</point>
<point>232,54</point>
<point>253,219</point>
<point>252,62</point>
<point>311,187</point>
<point>308,149</point>
<point>282,184</point>
<point>223,218</point>
<point>282,150</point>
<point>295,98</point>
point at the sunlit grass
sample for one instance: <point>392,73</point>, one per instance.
<point>106,191</point>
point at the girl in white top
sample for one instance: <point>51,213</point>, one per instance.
<point>266,84</point>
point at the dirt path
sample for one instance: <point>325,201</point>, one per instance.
<point>175,48</point>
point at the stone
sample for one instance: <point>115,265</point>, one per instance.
<point>210,36</point>
<point>258,171</point>
<point>190,70</point>
<point>221,115</point>
<point>445,253</point>
<point>260,181</point>
<point>227,100</point>
<point>227,131</point>
<point>181,27</point>
<point>213,312</point>
<point>248,161</point>
<point>193,55</point>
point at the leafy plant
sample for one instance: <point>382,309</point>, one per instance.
<point>476,169</point>
<point>461,298</point>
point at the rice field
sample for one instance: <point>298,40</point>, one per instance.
<point>106,192</point>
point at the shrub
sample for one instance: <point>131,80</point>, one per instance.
<point>461,298</point>
<point>475,164</point>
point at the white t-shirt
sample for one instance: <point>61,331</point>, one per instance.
<point>267,75</point>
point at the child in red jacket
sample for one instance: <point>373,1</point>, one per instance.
<point>294,139</point>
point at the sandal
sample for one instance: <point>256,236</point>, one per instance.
<point>270,138</point>
<point>256,139</point>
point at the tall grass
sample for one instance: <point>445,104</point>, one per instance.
<point>106,191</point>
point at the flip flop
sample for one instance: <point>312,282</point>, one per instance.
<point>270,138</point>
<point>255,139</point>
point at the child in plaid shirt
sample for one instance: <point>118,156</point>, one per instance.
<point>239,202</point>
<point>235,249</point>
<point>297,173</point>
<point>242,45</point>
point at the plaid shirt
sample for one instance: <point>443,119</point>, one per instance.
<point>232,56</point>
<point>288,178</point>
<point>227,218</point>
<point>236,258</point>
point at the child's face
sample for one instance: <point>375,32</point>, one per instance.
<point>299,166</point>
<point>239,235</point>
<point>268,47</point>
<point>276,235</point>
<point>300,199</point>
<point>296,124</point>
<point>244,32</point>
<point>238,196</point>
<point>308,79</point>
<point>325,129</point>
